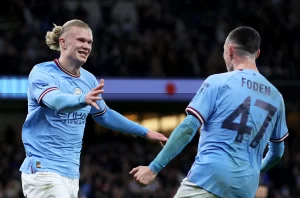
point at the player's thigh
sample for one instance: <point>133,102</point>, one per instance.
<point>43,185</point>
<point>190,190</point>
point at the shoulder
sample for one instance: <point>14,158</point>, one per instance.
<point>219,79</point>
<point>88,76</point>
<point>275,93</point>
<point>44,67</point>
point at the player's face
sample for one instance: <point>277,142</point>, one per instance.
<point>227,55</point>
<point>79,44</point>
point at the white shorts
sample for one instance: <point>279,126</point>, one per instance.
<point>188,189</point>
<point>49,185</point>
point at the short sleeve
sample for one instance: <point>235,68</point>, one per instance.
<point>101,103</point>
<point>280,131</point>
<point>204,101</point>
<point>40,83</point>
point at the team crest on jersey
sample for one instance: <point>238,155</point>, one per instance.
<point>77,91</point>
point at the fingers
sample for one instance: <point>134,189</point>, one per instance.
<point>164,138</point>
<point>161,137</point>
<point>134,170</point>
<point>102,81</point>
<point>97,92</point>
<point>94,104</point>
<point>94,98</point>
<point>100,86</point>
<point>162,144</point>
<point>97,88</point>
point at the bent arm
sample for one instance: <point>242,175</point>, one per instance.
<point>63,102</point>
<point>273,155</point>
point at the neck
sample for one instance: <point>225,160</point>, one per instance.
<point>245,64</point>
<point>70,65</point>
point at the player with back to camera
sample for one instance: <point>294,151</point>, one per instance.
<point>61,94</point>
<point>239,112</point>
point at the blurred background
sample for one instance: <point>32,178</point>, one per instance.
<point>154,55</point>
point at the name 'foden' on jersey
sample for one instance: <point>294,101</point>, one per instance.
<point>256,86</point>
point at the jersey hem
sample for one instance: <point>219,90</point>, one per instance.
<point>205,189</point>
<point>53,171</point>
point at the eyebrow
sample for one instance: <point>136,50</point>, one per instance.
<point>88,40</point>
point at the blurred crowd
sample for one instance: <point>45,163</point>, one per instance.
<point>105,167</point>
<point>152,38</point>
<point>148,38</point>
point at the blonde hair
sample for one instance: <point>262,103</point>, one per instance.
<point>52,37</point>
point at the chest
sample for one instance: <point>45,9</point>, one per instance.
<point>74,86</point>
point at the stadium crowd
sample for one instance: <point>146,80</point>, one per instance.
<point>105,167</point>
<point>148,38</point>
<point>152,38</point>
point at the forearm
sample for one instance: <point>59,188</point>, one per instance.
<point>273,156</point>
<point>179,138</point>
<point>63,102</point>
<point>115,121</point>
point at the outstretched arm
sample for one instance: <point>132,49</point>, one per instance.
<point>179,138</point>
<point>115,121</point>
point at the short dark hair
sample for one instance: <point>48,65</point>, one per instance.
<point>247,38</point>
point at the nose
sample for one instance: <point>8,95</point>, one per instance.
<point>86,46</point>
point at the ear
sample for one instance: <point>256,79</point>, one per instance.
<point>62,43</point>
<point>230,50</point>
<point>257,54</point>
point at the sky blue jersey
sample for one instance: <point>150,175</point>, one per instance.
<point>53,139</point>
<point>240,112</point>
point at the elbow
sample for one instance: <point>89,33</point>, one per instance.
<point>56,105</point>
<point>279,156</point>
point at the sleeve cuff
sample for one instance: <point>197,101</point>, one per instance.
<point>82,100</point>
<point>154,167</point>
<point>100,112</point>
<point>281,139</point>
<point>191,110</point>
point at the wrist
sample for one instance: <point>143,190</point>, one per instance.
<point>155,167</point>
<point>82,100</point>
<point>144,132</point>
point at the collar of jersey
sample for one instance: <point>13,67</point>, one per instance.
<point>57,63</point>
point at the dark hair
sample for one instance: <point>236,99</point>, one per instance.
<point>247,38</point>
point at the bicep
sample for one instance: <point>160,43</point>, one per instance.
<point>40,84</point>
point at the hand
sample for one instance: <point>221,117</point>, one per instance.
<point>93,95</point>
<point>143,175</point>
<point>154,136</point>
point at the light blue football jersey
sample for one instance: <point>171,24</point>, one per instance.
<point>52,139</point>
<point>240,112</point>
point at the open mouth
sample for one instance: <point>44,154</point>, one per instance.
<point>83,53</point>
